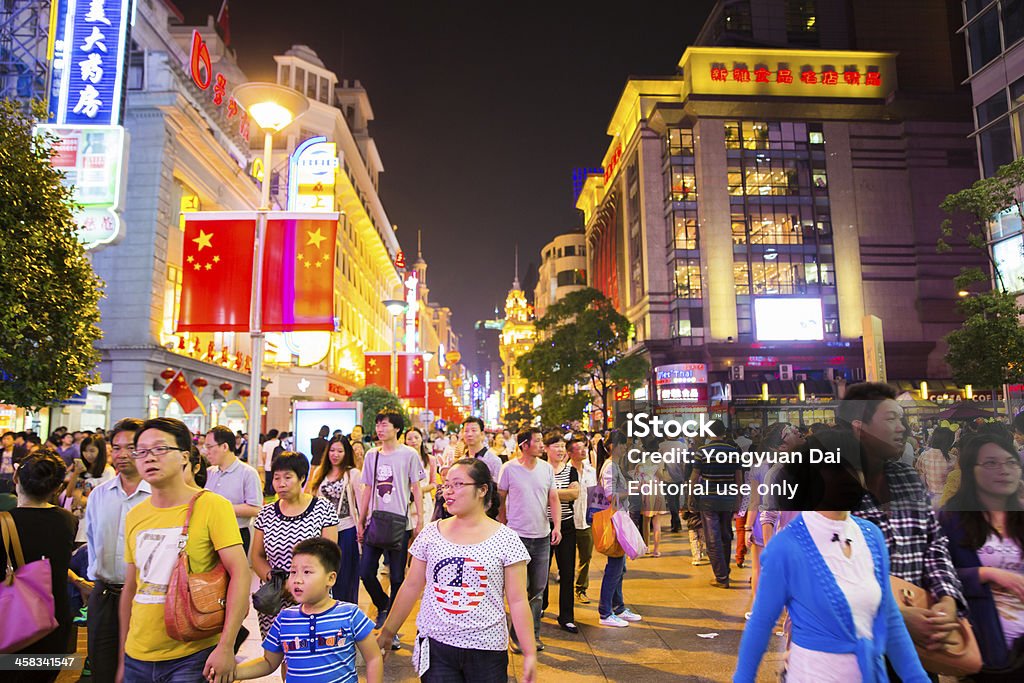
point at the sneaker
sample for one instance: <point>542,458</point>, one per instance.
<point>715,583</point>
<point>582,598</point>
<point>82,617</point>
<point>396,643</point>
<point>613,620</point>
<point>87,669</point>
<point>382,616</point>
<point>746,616</point>
<point>629,615</point>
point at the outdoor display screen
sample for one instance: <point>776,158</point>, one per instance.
<point>788,319</point>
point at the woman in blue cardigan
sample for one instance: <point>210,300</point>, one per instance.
<point>830,570</point>
<point>985,525</point>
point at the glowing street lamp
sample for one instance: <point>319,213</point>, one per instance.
<point>396,307</point>
<point>273,108</point>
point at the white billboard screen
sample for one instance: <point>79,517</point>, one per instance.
<point>310,416</point>
<point>788,319</point>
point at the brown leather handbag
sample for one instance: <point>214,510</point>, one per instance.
<point>963,659</point>
<point>196,603</point>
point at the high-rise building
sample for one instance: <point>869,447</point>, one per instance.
<point>563,269</point>
<point>757,205</point>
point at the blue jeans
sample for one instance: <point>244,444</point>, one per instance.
<point>611,601</point>
<point>718,539</point>
<point>536,577</point>
<point>184,670</point>
<point>346,587</point>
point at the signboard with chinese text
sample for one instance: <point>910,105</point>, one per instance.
<point>94,162</point>
<point>87,69</point>
<point>311,175</point>
<point>789,73</point>
<point>682,383</point>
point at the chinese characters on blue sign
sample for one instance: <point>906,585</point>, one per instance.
<point>91,38</point>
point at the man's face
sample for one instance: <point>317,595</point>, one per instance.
<point>386,431</point>
<point>67,440</point>
<point>214,451</point>
<point>160,468</point>
<point>577,452</point>
<point>78,436</point>
<point>357,433</point>
<point>884,431</point>
<point>7,441</point>
<point>471,435</point>
<point>534,447</point>
<point>121,453</point>
<point>507,434</point>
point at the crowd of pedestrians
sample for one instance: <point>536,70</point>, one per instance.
<point>904,556</point>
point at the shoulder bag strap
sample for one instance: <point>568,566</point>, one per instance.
<point>188,515</point>
<point>12,543</point>
<point>373,482</point>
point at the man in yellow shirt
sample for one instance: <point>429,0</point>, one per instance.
<point>152,533</point>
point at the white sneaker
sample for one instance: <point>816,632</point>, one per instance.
<point>614,620</point>
<point>629,615</point>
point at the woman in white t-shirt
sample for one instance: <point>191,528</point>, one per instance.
<point>472,563</point>
<point>337,481</point>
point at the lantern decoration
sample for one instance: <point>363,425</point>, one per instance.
<point>168,374</point>
<point>265,394</point>
<point>224,355</point>
<point>199,383</point>
<point>452,357</point>
<point>226,386</point>
<point>244,393</point>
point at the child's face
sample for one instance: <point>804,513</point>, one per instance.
<point>308,581</point>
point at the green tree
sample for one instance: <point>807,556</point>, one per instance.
<point>374,400</point>
<point>520,412</point>
<point>49,294</point>
<point>582,350</point>
<point>988,349</point>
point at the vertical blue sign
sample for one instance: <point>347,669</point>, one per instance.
<point>89,60</point>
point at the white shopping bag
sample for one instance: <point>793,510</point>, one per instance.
<point>629,536</point>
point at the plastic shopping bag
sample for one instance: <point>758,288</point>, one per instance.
<point>628,535</point>
<point>605,541</point>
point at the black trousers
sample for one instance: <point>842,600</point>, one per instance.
<point>450,664</point>
<point>104,633</point>
<point>245,539</point>
<point>564,557</point>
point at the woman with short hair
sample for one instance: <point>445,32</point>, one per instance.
<point>336,480</point>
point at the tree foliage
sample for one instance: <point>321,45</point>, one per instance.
<point>988,349</point>
<point>582,351</point>
<point>49,294</point>
<point>520,412</point>
<point>374,400</point>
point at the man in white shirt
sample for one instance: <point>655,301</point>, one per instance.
<point>584,536</point>
<point>476,445</point>
<point>268,448</point>
<point>233,479</point>
<point>526,486</point>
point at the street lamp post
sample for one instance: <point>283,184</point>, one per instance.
<point>396,307</point>
<point>427,357</point>
<point>273,107</point>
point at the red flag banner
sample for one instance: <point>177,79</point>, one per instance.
<point>410,375</point>
<point>298,272</point>
<point>436,389</point>
<point>216,271</point>
<point>378,369</point>
<point>180,391</point>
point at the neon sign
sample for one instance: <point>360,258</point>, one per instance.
<point>201,69</point>
<point>613,163</point>
<point>312,169</point>
<point>741,74</point>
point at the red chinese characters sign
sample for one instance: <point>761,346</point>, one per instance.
<point>869,78</point>
<point>201,70</point>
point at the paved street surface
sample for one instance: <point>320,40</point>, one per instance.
<point>676,602</point>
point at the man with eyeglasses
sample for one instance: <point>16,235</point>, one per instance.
<point>153,532</point>
<point>229,477</point>
<point>105,515</point>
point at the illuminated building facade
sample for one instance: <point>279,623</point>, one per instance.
<point>518,334</point>
<point>756,207</point>
<point>563,269</point>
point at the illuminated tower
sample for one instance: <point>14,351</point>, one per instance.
<point>518,335</point>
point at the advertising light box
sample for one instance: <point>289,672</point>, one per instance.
<point>311,415</point>
<point>788,319</point>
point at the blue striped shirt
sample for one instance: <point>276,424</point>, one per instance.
<point>319,648</point>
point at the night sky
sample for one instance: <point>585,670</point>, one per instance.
<point>483,109</point>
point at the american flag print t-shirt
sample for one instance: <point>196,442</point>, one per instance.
<point>464,598</point>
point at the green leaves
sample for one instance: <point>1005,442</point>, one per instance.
<point>988,350</point>
<point>582,353</point>
<point>49,294</point>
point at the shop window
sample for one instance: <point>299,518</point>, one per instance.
<point>983,39</point>
<point>991,109</point>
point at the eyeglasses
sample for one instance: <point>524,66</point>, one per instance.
<point>158,451</point>
<point>1012,463</point>
<point>456,485</point>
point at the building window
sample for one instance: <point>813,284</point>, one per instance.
<point>802,23</point>
<point>325,91</point>
<point>1013,21</point>
<point>983,39</point>
<point>569,251</point>
<point>736,18</point>
<point>172,299</point>
<point>680,142</point>
<point>136,68</point>
<point>688,285</point>
<point>570,278</point>
<point>686,230</point>
<point>991,109</point>
<point>996,146</point>
<point>300,80</point>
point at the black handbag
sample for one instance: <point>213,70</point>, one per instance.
<point>269,599</point>
<point>385,530</point>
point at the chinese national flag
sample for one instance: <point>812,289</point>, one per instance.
<point>180,391</point>
<point>216,281</point>
<point>378,369</point>
<point>298,272</point>
<point>410,376</point>
<point>436,389</point>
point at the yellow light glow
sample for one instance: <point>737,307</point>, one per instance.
<point>270,115</point>
<point>924,390</point>
<point>801,392</point>
<point>764,392</point>
<point>969,392</point>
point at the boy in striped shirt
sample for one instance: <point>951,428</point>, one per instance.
<point>317,639</point>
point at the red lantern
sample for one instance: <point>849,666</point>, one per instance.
<point>168,374</point>
<point>265,394</point>
<point>226,386</point>
<point>244,393</point>
<point>199,382</point>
